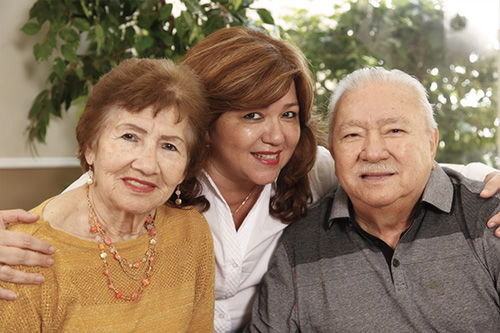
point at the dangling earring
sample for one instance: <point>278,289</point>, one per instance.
<point>178,201</point>
<point>90,181</point>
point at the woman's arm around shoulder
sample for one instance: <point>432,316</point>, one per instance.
<point>18,248</point>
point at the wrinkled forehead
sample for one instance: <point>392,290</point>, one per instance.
<point>378,97</point>
<point>117,113</point>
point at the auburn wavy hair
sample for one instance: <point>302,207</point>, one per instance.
<point>137,84</point>
<point>246,69</point>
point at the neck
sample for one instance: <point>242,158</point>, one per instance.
<point>228,181</point>
<point>239,195</point>
<point>385,223</point>
<point>118,224</point>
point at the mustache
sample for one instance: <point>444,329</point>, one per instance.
<point>378,168</point>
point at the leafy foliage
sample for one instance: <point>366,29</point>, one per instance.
<point>411,35</point>
<point>85,39</point>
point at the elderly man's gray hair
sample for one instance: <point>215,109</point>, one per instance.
<point>364,76</point>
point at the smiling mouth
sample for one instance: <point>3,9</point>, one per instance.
<point>376,176</point>
<point>136,183</point>
<point>267,157</point>
<point>139,186</point>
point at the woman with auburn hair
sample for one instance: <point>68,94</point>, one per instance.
<point>235,86</point>
<point>132,254</point>
<point>262,146</point>
<point>264,167</point>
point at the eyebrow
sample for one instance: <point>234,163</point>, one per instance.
<point>385,121</point>
<point>286,106</point>
<point>143,131</point>
<point>133,126</point>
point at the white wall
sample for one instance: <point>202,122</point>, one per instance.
<point>21,79</point>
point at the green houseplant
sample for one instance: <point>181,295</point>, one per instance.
<point>85,39</point>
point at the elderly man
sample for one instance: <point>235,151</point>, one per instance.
<point>402,245</point>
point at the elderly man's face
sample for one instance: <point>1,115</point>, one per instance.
<point>382,146</point>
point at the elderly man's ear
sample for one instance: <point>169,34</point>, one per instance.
<point>433,145</point>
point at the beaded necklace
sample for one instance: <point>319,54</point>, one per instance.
<point>131,270</point>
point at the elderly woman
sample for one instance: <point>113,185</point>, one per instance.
<point>131,256</point>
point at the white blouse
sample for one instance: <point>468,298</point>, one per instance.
<point>242,256</point>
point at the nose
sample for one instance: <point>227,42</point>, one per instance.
<point>274,133</point>
<point>374,148</point>
<point>146,160</point>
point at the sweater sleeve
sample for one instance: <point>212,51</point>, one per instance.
<point>36,305</point>
<point>203,313</point>
<point>23,314</point>
<point>274,307</point>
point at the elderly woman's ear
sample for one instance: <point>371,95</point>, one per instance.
<point>90,156</point>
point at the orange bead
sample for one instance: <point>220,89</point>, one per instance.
<point>137,264</point>
<point>106,272</point>
<point>145,282</point>
<point>134,296</point>
<point>101,246</point>
<point>119,295</point>
<point>107,241</point>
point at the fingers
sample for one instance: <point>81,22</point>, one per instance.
<point>17,248</point>
<point>494,221</point>
<point>492,186</point>
<point>20,240</point>
<point>7,295</point>
<point>16,215</point>
<point>11,275</point>
<point>8,274</point>
<point>15,256</point>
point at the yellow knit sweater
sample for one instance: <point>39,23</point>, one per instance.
<point>75,296</point>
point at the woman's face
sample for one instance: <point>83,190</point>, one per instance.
<point>253,146</point>
<point>138,159</point>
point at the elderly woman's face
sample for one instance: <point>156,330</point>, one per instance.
<point>139,159</point>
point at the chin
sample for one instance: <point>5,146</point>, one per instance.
<point>378,202</point>
<point>264,179</point>
<point>139,207</point>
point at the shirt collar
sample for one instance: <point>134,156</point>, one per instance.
<point>438,192</point>
<point>209,187</point>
